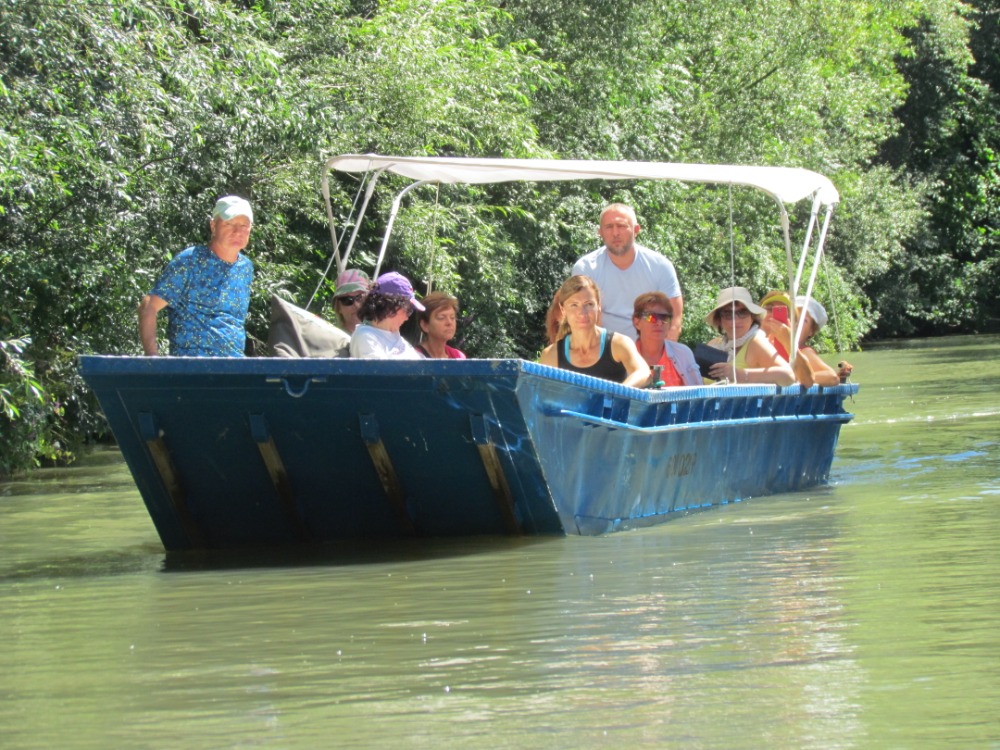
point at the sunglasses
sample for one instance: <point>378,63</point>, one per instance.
<point>348,301</point>
<point>652,317</point>
<point>728,312</point>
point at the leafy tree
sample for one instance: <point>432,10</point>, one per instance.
<point>121,121</point>
<point>947,278</point>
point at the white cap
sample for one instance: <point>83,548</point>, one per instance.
<point>230,207</point>
<point>816,311</point>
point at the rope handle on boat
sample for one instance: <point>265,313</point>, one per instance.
<point>296,392</point>
<point>615,425</point>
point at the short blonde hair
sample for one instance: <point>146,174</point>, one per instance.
<point>621,208</point>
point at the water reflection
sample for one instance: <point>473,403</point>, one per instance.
<point>861,614</point>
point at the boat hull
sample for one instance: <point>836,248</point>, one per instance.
<point>272,452</point>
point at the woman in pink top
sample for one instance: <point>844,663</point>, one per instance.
<point>438,323</point>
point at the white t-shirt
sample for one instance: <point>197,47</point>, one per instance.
<point>649,272</point>
<point>369,342</point>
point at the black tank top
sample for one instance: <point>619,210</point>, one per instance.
<point>605,367</point>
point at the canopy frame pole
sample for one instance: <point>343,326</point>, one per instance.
<point>807,242</point>
<point>342,260</point>
<point>815,269</point>
<point>786,233</point>
<point>396,203</point>
<point>342,264</point>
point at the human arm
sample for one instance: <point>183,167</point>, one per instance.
<point>764,364</point>
<point>549,357</point>
<point>778,331</point>
<point>677,321</point>
<point>149,307</point>
<point>819,372</point>
<point>685,363</point>
<point>623,350</point>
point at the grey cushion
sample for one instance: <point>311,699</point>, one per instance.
<point>295,332</point>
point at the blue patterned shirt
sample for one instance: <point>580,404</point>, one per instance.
<point>207,302</point>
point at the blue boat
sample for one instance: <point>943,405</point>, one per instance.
<point>275,452</point>
<point>268,452</point>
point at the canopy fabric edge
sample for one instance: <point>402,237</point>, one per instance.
<point>786,184</point>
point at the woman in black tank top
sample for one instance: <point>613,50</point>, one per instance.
<point>577,343</point>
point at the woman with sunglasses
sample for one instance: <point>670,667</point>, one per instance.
<point>389,304</point>
<point>737,319</point>
<point>578,344</point>
<point>352,287</point>
<point>651,316</point>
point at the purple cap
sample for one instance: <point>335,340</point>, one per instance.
<point>396,283</point>
<point>350,281</point>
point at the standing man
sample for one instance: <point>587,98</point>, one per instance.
<point>206,289</point>
<point>624,269</point>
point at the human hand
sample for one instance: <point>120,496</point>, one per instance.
<point>721,371</point>
<point>844,370</point>
<point>772,326</point>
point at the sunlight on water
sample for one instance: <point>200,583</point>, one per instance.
<point>857,615</point>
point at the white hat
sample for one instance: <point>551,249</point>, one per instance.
<point>230,207</point>
<point>731,296</point>
<point>816,311</point>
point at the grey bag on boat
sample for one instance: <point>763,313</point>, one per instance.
<point>295,332</point>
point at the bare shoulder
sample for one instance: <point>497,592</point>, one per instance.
<point>622,344</point>
<point>548,356</point>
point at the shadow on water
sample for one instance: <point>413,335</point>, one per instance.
<point>346,553</point>
<point>151,558</point>
<point>105,563</point>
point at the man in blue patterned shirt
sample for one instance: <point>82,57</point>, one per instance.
<point>206,290</point>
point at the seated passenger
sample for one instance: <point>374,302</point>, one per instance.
<point>348,296</point>
<point>577,343</point>
<point>389,304</point>
<point>438,322</point>
<point>751,357</point>
<point>809,368</point>
<point>651,316</point>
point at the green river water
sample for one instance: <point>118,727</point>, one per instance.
<point>863,614</point>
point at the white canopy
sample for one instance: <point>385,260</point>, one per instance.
<point>785,184</point>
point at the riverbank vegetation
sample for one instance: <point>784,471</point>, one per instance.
<point>121,121</point>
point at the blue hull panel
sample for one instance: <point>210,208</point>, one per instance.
<point>613,461</point>
<point>270,452</point>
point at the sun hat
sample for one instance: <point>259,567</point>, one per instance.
<point>230,207</point>
<point>775,297</point>
<point>731,296</point>
<point>350,281</point>
<point>816,311</point>
<point>396,284</point>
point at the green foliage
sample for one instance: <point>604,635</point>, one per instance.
<point>24,410</point>
<point>121,121</point>
<point>947,279</point>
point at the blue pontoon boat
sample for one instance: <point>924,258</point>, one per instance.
<point>279,451</point>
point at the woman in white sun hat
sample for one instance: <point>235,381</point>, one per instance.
<point>751,357</point>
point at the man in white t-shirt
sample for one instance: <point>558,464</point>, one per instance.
<point>623,270</point>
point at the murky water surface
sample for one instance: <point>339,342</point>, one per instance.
<point>864,614</point>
